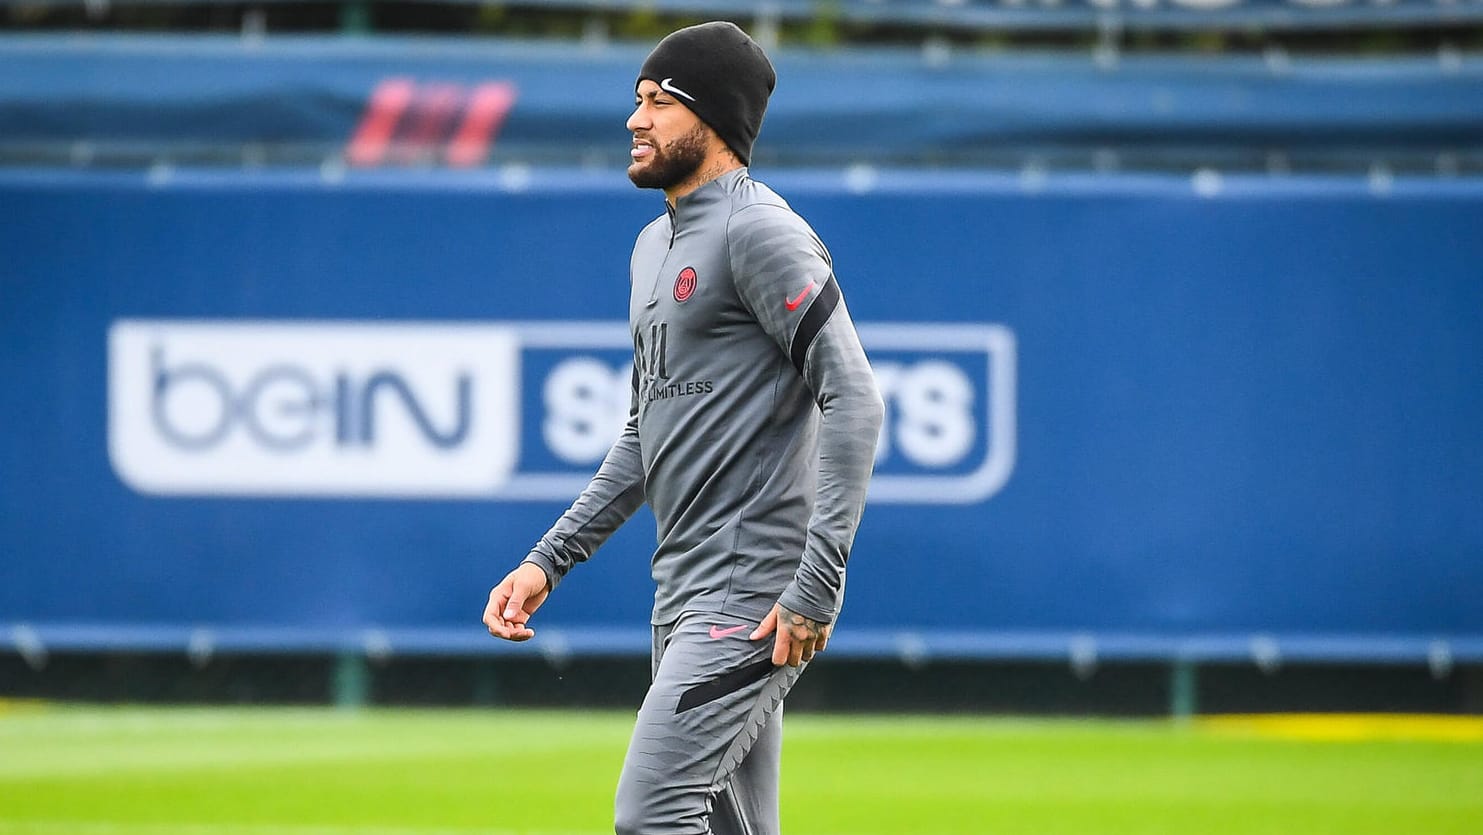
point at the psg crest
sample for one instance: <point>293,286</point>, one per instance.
<point>685,284</point>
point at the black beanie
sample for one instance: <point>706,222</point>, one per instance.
<point>721,74</point>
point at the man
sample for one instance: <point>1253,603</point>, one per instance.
<point>751,434</point>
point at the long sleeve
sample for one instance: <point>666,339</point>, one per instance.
<point>613,495</point>
<point>852,411</point>
<point>785,276</point>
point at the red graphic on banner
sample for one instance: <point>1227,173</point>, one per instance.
<point>410,123</point>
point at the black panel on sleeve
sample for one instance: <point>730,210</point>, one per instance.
<point>813,321</point>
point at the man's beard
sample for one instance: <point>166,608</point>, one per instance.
<point>673,164</point>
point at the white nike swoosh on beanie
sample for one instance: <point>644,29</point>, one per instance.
<point>669,87</point>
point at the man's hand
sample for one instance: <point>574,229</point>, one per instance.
<point>798,637</point>
<point>514,600</point>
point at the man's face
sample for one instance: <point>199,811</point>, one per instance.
<point>669,140</point>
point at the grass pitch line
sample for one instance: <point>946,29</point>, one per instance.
<point>962,775</point>
<point>62,827</point>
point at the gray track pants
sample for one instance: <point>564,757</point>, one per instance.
<point>707,747</point>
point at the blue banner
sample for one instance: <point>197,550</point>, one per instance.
<point>1114,403</point>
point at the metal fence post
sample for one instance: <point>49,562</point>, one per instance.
<point>1183,683</point>
<point>355,18</point>
<point>486,683</point>
<point>352,680</point>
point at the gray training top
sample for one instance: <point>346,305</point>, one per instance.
<point>754,418</point>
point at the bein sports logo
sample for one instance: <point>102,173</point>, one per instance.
<point>512,411</point>
<point>312,408</point>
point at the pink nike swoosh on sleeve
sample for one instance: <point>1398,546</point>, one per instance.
<point>795,302</point>
<point>718,632</point>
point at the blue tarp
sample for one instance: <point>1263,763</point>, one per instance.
<point>1012,14</point>
<point>297,99</point>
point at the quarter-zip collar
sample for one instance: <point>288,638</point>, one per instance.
<point>697,203</point>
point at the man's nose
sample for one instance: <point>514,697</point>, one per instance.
<point>638,121</point>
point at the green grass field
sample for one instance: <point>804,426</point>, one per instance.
<point>204,771</point>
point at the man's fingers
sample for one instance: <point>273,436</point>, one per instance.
<point>765,628</point>
<point>510,631</point>
<point>780,648</point>
<point>492,611</point>
<point>796,646</point>
<point>515,605</point>
<point>501,613</point>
